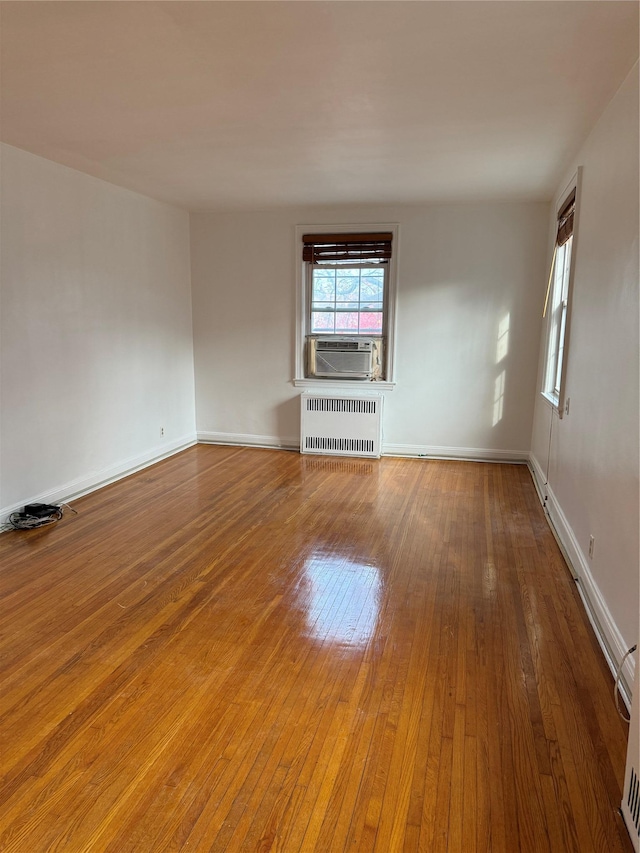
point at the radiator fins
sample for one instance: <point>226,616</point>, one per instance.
<point>342,445</point>
<point>341,404</point>
<point>633,801</point>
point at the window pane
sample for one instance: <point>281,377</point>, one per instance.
<point>371,323</point>
<point>558,276</point>
<point>567,267</point>
<point>323,285</point>
<point>563,324</point>
<point>347,272</point>
<point>347,322</point>
<point>372,286</point>
<point>348,288</point>
<point>322,323</point>
<point>557,319</point>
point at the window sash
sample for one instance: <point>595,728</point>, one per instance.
<point>558,320</point>
<point>336,306</point>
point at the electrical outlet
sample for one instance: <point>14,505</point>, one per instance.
<point>592,542</point>
<point>566,406</point>
<point>161,431</point>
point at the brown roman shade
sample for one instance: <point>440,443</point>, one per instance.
<point>347,247</point>
<point>565,220</point>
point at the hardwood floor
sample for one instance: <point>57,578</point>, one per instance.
<point>253,650</point>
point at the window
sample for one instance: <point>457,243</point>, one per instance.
<point>557,304</point>
<point>347,299</point>
<point>346,296</point>
<point>347,282</point>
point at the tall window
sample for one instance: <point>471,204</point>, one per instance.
<point>346,280</point>
<point>557,305</point>
<point>347,283</point>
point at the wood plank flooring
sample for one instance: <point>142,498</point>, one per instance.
<point>253,650</point>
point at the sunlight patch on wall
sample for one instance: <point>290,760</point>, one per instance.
<point>498,398</point>
<point>502,346</point>
<point>502,350</point>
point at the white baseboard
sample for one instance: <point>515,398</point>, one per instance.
<point>471,454</point>
<point>272,442</point>
<point>607,633</point>
<point>97,479</point>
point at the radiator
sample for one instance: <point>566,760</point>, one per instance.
<point>341,425</point>
<point>631,795</point>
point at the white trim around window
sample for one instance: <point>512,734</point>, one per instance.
<point>300,380</point>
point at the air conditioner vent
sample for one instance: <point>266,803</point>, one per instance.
<point>341,345</point>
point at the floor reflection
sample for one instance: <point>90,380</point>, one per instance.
<point>341,599</point>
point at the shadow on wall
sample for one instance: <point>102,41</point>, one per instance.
<point>287,420</point>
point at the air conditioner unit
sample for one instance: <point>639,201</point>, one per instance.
<point>341,356</point>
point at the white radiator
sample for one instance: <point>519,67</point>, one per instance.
<point>631,793</point>
<point>341,425</point>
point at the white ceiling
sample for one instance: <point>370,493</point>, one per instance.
<point>233,105</point>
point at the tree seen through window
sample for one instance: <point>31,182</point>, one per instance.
<point>347,300</point>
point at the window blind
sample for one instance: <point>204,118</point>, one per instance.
<point>565,220</point>
<point>346,247</point>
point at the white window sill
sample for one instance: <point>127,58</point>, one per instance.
<point>344,384</point>
<point>550,399</point>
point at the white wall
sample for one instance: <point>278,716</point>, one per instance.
<point>467,274</point>
<point>96,330</point>
<point>593,466</point>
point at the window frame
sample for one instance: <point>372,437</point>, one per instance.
<point>558,321</point>
<point>303,307</point>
